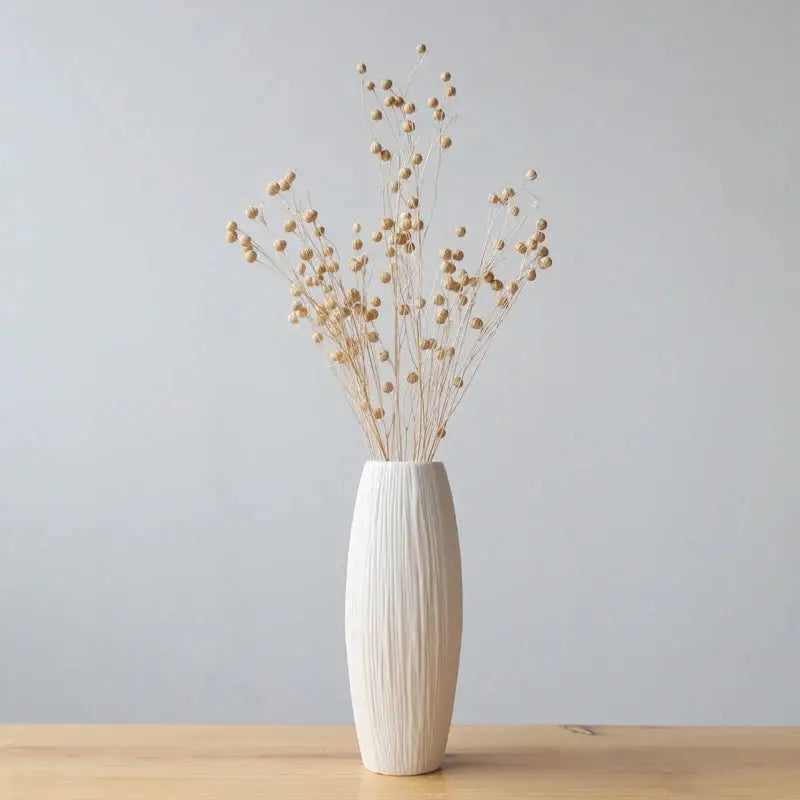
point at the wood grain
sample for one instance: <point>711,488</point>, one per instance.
<point>483,763</point>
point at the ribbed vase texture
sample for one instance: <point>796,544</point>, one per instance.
<point>403,615</point>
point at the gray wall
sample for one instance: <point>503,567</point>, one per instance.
<point>178,469</point>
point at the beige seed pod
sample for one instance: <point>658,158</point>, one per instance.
<point>232,226</point>
<point>408,126</point>
<point>386,277</point>
<point>433,102</point>
<point>413,202</point>
<point>441,432</point>
<point>384,355</point>
<point>441,316</point>
<point>451,351</point>
<point>488,276</point>
<point>452,285</point>
<point>458,382</point>
<point>361,68</point>
<point>251,212</point>
<point>497,285</point>
<point>273,187</point>
<point>308,280</point>
<point>279,245</point>
<point>355,265</point>
<point>521,248</point>
<point>494,199</point>
<point>306,254</point>
<point>440,353</point>
<point>285,185</point>
<point>531,175</point>
<point>375,148</point>
<point>386,84</point>
<point>544,251</point>
<point>446,254</point>
<point>499,244</point>
<point>394,187</point>
<point>473,281</point>
<point>502,301</point>
<point>462,277</point>
<point>532,275</point>
<point>387,223</point>
<point>376,301</point>
<point>356,227</point>
<point>540,236</point>
<point>319,231</point>
<point>231,237</point>
<point>330,303</point>
<point>290,176</point>
<point>438,300</point>
<point>293,318</point>
<point>327,251</point>
<point>446,76</point>
<point>476,323</point>
<point>412,377</point>
<point>461,231</point>
<point>370,85</point>
<point>410,247</point>
<point>377,236</point>
<point>376,114</point>
<point>514,211</point>
<point>463,299</point>
<point>406,224</point>
<point>403,310</point>
<point>316,337</point>
<point>310,215</point>
<point>542,224</point>
<point>388,102</point>
<point>416,159</point>
<point>422,49</point>
<point>297,305</point>
<point>353,295</point>
<point>438,114</point>
<point>405,173</point>
<point>545,262</point>
<point>357,244</point>
<point>302,312</point>
<point>451,91</point>
<point>246,242</point>
<point>513,287</point>
<point>289,226</point>
<point>390,252</point>
<point>458,255</point>
<point>372,336</point>
<point>388,387</point>
<point>386,155</point>
<point>420,302</point>
<point>250,256</point>
<point>448,267</point>
<point>378,413</point>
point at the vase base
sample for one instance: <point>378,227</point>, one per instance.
<point>399,773</point>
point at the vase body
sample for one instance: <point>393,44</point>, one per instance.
<point>403,615</point>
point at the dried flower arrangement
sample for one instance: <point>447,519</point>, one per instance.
<point>403,354</point>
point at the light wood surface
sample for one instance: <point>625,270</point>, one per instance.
<point>483,763</point>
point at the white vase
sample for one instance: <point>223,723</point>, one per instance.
<point>403,615</point>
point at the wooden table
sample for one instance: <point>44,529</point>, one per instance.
<point>483,763</point>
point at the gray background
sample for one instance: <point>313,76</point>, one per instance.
<point>178,469</point>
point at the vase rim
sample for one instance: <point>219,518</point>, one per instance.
<point>411,463</point>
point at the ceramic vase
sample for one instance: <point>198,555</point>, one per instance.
<point>403,615</point>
